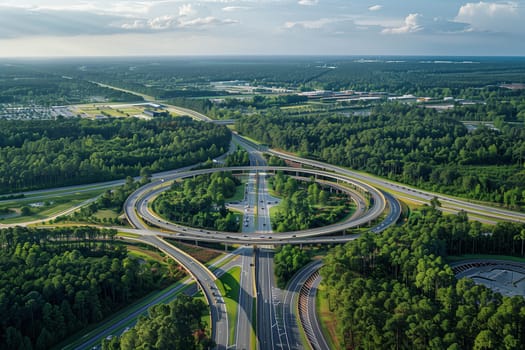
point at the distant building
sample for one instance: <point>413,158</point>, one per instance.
<point>404,98</point>
<point>151,113</point>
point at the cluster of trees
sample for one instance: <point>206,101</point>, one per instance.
<point>199,105</point>
<point>72,151</point>
<point>288,260</point>
<point>176,325</point>
<point>395,290</point>
<point>238,158</point>
<point>499,105</point>
<point>110,199</point>
<point>408,144</point>
<point>305,205</point>
<point>200,202</point>
<point>55,282</point>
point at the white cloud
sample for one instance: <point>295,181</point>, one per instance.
<point>163,23</point>
<point>134,25</point>
<point>206,22</point>
<point>307,2</point>
<point>327,26</point>
<point>410,25</point>
<point>490,16</point>
<point>375,8</point>
<point>186,10</point>
<point>314,24</point>
<point>234,8</point>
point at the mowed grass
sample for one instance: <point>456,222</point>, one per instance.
<point>115,111</point>
<point>106,214</point>
<point>327,320</point>
<point>54,204</point>
<point>229,285</point>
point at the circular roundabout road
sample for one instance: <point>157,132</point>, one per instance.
<point>137,210</point>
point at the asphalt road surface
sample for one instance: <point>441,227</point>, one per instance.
<point>267,328</point>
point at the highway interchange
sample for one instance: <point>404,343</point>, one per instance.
<point>277,324</point>
<point>274,328</point>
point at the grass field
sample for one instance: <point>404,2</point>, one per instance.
<point>91,111</point>
<point>106,214</point>
<point>46,206</point>
<point>229,285</point>
<point>327,320</point>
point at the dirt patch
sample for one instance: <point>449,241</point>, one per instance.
<point>203,255</point>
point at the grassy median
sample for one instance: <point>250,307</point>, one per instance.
<point>229,285</point>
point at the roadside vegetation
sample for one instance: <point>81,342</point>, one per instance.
<point>202,254</point>
<point>64,152</point>
<point>238,158</point>
<point>57,281</point>
<point>288,260</point>
<point>395,290</point>
<point>108,207</point>
<point>185,330</point>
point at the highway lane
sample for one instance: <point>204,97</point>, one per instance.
<point>289,305</point>
<point>314,321</point>
<point>243,332</point>
<point>263,211</point>
<point>393,214</point>
<point>111,327</point>
<point>244,326</point>
<point>114,328</point>
<point>267,328</point>
<point>446,201</point>
<point>231,240</point>
<point>206,280</point>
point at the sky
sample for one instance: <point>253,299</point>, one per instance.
<point>59,28</point>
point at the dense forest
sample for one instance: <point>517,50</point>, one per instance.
<point>73,151</point>
<point>395,290</point>
<point>395,74</point>
<point>200,202</point>
<point>57,281</point>
<point>177,325</point>
<point>408,144</point>
<point>41,86</point>
<point>305,205</point>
